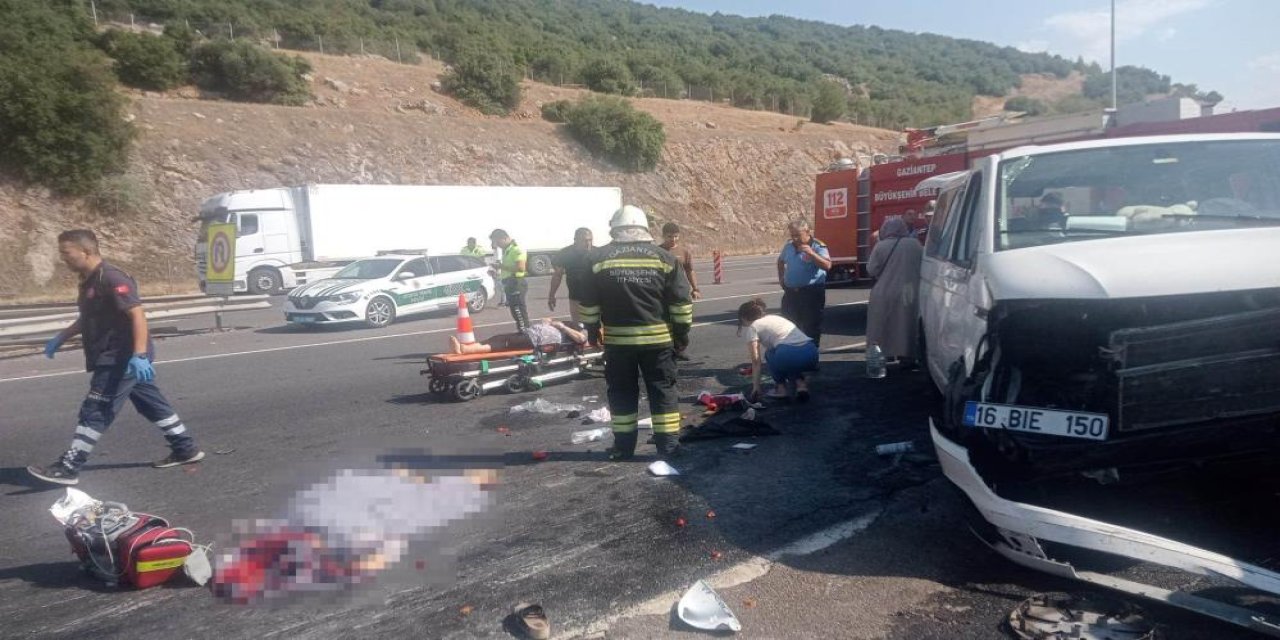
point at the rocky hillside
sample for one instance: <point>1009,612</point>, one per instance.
<point>731,177</point>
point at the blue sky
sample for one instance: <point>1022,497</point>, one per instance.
<point>1231,46</point>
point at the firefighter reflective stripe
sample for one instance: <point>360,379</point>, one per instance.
<point>666,422</point>
<point>681,313</point>
<point>632,263</point>
<point>589,313</point>
<point>624,423</point>
<point>160,565</point>
<point>642,330</point>
<point>644,335</point>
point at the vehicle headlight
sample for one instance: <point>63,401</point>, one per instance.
<point>344,298</point>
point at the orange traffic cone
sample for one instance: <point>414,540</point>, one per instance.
<point>466,335</point>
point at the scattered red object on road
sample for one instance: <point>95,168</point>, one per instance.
<point>711,514</point>
<point>716,555</point>
<point>540,455</point>
<point>680,522</point>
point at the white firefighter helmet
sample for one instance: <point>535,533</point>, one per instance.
<point>630,224</point>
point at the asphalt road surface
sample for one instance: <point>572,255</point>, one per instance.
<point>809,534</point>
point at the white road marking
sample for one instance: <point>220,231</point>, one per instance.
<point>740,573</point>
<point>214,356</point>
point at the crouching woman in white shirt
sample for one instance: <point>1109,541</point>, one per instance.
<point>776,340</point>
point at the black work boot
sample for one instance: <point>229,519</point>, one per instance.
<point>624,446</point>
<point>667,444</point>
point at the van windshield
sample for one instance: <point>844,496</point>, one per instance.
<point>369,269</point>
<point>1162,187</point>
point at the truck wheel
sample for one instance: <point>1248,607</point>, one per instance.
<point>380,312</point>
<point>477,300</point>
<point>540,265</point>
<point>265,280</point>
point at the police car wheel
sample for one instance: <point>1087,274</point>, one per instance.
<point>380,312</point>
<point>477,301</point>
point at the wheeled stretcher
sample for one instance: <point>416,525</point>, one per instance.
<point>467,376</point>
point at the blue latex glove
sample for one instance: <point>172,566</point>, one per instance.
<point>51,347</point>
<point>141,369</point>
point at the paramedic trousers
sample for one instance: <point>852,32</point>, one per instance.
<point>109,387</point>
<point>624,366</point>
<point>515,290</point>
<point>804,307</point>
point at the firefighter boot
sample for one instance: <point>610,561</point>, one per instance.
<point>667,444</point>
<point>624,446</point>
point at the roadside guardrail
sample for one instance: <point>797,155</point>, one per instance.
<point>44,309</point>
<point>58,319</point>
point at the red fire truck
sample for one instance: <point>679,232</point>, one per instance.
<point>851,202</point>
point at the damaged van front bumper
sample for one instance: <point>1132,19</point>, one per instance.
<point>1021,528</point>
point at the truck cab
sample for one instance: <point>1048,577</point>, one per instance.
<point>267,237</point>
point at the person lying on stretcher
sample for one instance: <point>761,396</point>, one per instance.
<point>544,333</point>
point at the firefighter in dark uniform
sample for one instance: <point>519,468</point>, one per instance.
<point>639,294</point>
<point>118,353</point>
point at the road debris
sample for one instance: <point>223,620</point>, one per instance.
<point>600,415</point>
<point>895,447</point>
<point>540,455</point>
<point>662,469</point>
<point>680,522</point>
<point>701,608</point>
<point>532,621</point>
<point>744,446</point>
<point>1083,616</point>
<point>731,428</point>
<point>542,406</point>
<point>466,609</point>
<point>711,514</point>
<point>589,435</point>
<point>223,452</point>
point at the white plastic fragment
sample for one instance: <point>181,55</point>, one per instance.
<point>702,608</point>
<point>662,469</point>
<point>70,503</point>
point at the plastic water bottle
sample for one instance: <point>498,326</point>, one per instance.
<point>875,362</point>
<point>590,435</point>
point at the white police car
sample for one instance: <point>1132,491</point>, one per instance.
<point>377,290</point>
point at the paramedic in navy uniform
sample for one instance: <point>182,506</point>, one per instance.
<point>118,353</point>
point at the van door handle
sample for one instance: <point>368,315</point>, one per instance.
<point>258,250</point>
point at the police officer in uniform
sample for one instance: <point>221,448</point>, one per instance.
<point>511,276</point>
<point>118,352</point>
<point>640,295</point>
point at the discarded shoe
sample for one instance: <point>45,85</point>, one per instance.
<point>532,620</point>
